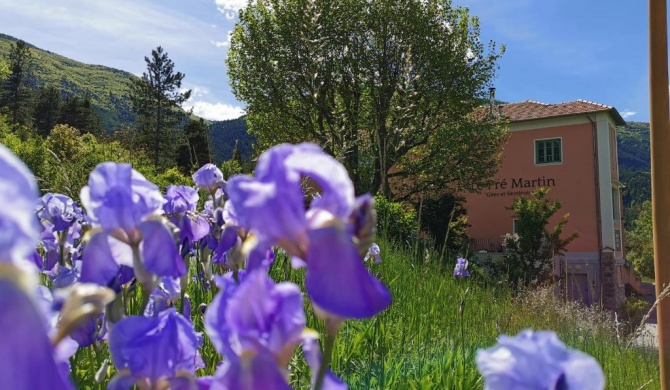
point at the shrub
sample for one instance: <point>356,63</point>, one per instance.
<point>395,221</point>
<point>632,310</point>
<point>529,254</point>
<point>444,219</point>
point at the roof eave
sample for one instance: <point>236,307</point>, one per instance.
<point>618,119</point>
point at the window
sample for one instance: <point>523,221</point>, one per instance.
<point>548,151</point>
<point>615,204</point>
<point>515,225</point>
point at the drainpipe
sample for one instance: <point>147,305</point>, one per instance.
<point>599,228</point>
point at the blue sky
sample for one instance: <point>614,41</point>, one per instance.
<point>557,50</point>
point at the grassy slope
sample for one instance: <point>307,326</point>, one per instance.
<point>107,86</point>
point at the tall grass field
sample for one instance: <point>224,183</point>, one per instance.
<point>429,336</point>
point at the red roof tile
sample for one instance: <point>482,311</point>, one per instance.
<point>530,110</point>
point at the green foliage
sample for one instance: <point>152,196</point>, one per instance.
<point>376,84</point>
<point>15,93</point>
<point>63,161</point>
<point>156,99</point>
<point>195,150</point>
<point>170,176</point>
<point>64,142</point>
<point>78,113</point>
<point>4,70</point>
<point>634,168</point>
<point>224,135</point>
<point>640,242</point>
<point>529,254</point>
<point>633,146</point>
<point>445,220</point>
<point>395,221</point>
<point>230,167</point>
<point>459,156</point>
<point>47,110</point>
<point>633,309</point>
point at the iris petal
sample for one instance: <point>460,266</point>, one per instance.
<point>160,253</point>
<point>337,280</point>
<point>26,349</point>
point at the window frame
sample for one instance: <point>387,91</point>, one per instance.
<point>536,155</point>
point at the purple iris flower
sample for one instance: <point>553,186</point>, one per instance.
<point>19,228</point>
<point>271,205</point>
<point>256,326</point>
<point>209,177</point>
<point>60,210</point>
<point>374,253</point>
<point>117,196</point>
<point>90,331</point>
<point>163,296</point>
<point>26,348</point>
<point>461,268</point>
<point>126,206</point>
<point>180,205</point>
<point>537,360</point>
<point>66,276</point>
<point>153,351</point>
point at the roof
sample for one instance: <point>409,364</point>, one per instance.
<point>530,110</point>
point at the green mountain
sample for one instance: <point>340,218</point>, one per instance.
<point>224,134</point>
<point>107,87</point>
<point>634,167</point>
<point>108,91</point>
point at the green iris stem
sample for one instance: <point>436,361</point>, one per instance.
<point>327,355</point>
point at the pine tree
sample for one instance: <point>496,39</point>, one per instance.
<point>80,114</point>
<point>156,100</point>
<point>195,150</point>
<point>16,94</point>
<point>46,112</point>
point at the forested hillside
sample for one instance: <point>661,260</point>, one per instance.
<point>634,166</point>
<point>106,87</point>
<point>224,134</point>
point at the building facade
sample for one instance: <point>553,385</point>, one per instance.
<point>571,149</point>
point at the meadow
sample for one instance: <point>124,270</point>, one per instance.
<point>429,336</point>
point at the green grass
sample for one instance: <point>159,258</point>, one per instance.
<point>429,336</point>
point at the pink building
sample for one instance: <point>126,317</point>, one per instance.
<point>571,149</point>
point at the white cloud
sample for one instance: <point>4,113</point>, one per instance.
<point>225,43</point>
<point>196,90</point>
<point>215,111</point>
<point>627,113</point>
<point>117,34</point>
<point>230,7</point>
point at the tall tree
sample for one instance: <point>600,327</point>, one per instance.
<point>16,93</point>
<point>195,150</point>
<point>156,100</point>
<point>373,82</point>
<point>640,242</point>
<point>80,114</point>
<point>47,108</point>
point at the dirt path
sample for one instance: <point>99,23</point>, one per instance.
<point>648,336</point>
